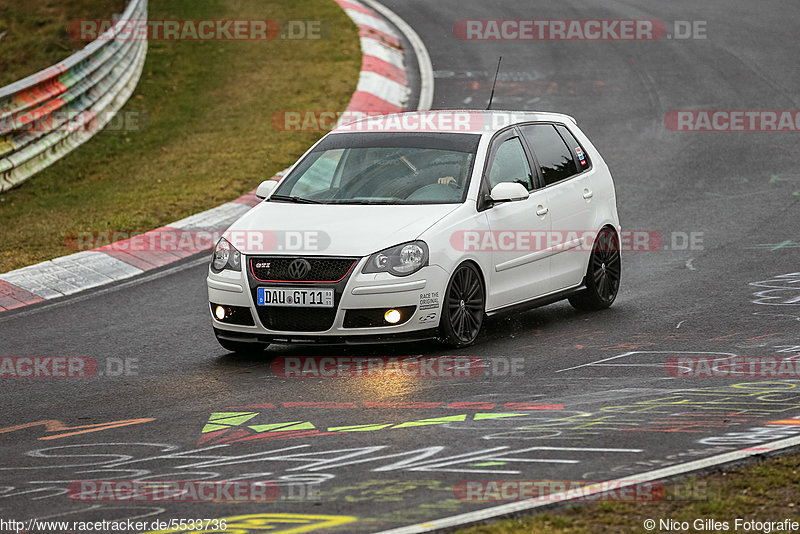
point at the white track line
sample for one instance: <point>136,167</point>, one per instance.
<point>423,58</point>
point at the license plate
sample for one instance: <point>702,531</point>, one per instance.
<point>303,298</point>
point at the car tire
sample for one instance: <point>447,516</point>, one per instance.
<point>602,275</point>
<point>464,307</point>
<point>240,347</point>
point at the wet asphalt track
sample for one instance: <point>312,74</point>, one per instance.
<point>740,191</point>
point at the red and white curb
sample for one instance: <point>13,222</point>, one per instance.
<point>382,88</point>
<point>383,85</point>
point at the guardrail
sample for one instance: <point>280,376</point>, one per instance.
<point>46,115</point>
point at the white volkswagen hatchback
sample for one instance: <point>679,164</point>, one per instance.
<point>419,225</point>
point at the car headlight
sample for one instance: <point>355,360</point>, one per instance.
<point>400,260</point>
<point>225,256</point>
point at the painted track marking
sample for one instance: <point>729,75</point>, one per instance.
<point>656,475</point>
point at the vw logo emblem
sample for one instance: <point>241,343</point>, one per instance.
<point>299,269</point>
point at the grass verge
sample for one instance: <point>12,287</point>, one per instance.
<point>34,33</point>
<point>203,133</point>
<point>767,491</point>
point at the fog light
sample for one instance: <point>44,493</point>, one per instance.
<point>220,313</point>
<point>392,316</point>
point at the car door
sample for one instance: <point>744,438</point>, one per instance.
<point>520,268</point>
<point>567,175</point>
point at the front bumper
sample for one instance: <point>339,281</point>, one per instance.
<point>423,291</point>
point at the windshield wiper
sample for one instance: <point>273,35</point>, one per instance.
<point>296,199</point>
<point>365,202</point>
<point>409,165</point>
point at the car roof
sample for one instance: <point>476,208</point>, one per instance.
<point>469,121</point>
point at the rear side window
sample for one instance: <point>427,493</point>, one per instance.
<point>555,159</point>
<point>580,155</point>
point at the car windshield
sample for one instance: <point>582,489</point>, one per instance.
<point>383,168</point>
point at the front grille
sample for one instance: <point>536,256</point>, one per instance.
<point>296,319</point>
<point>274,271</point>
<point>323,270</point>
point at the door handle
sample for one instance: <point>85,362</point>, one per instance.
<point>587,194</point>
<point>541,210</point>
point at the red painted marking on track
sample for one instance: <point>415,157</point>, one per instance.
<point>208,436</point>
<point>323,404</point>
<point>720,338</point>
<point>471,406</point>
<point>229,436</point>
<point>761,337</point>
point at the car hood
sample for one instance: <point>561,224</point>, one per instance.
<point>331,229</point>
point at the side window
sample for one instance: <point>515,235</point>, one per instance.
<point>510,165</point>
<point>580,156</point>
<point>554,157</point>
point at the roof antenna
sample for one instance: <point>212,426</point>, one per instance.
<point>494,83</point>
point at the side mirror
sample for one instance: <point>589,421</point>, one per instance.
<point>266,188</point>
<point>509,192</point>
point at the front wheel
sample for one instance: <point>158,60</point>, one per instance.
<point>463,309</point>
<point>602,275</point>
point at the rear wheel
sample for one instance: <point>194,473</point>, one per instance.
<point>602,276</point>
<point>463,309</point>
